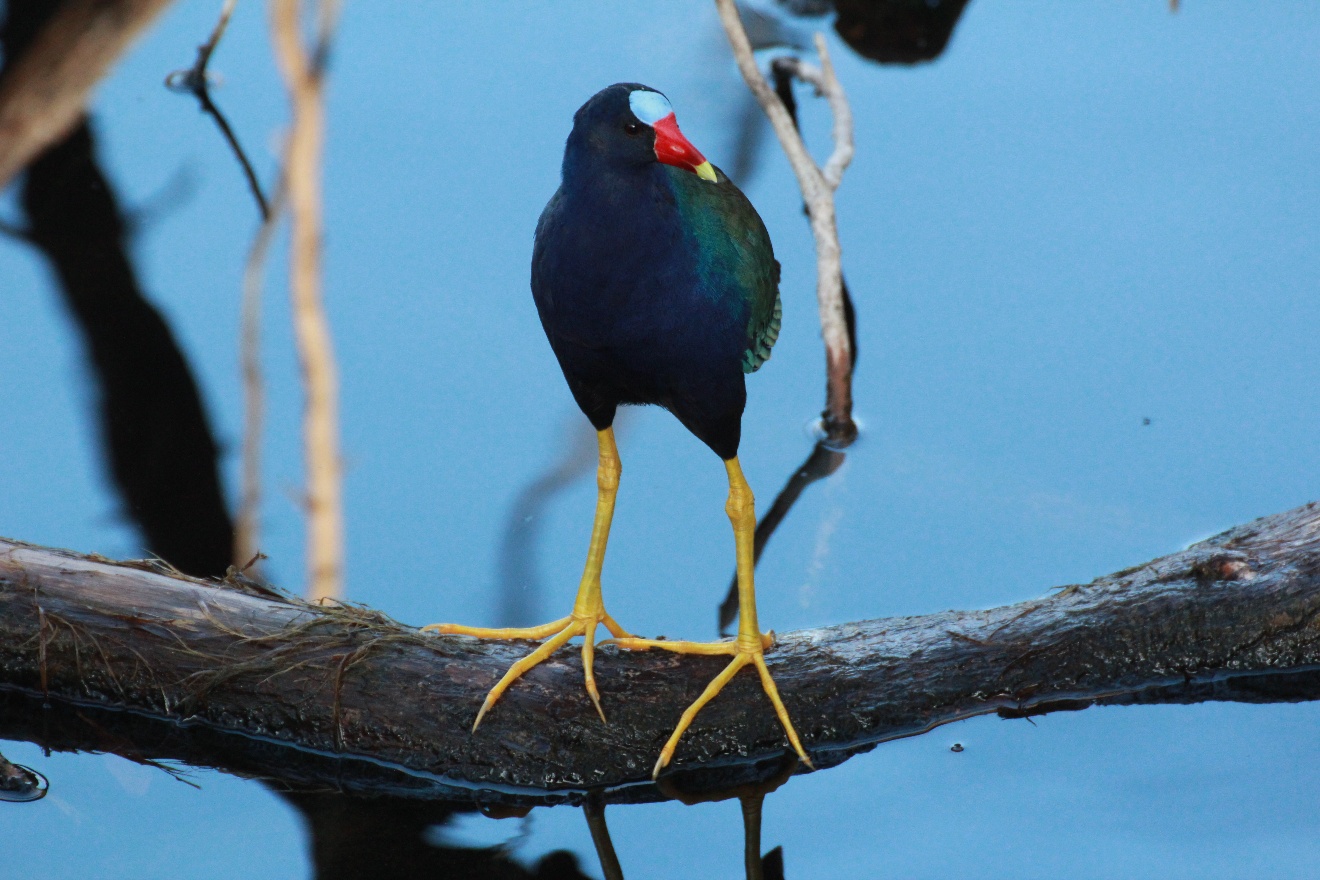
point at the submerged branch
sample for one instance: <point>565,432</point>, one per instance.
<point>344,697</point>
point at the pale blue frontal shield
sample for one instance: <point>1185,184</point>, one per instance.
<point>649,107</point>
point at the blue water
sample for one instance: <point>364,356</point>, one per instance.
<point>1083,216</point>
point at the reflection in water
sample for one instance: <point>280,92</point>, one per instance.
<point>356,837</point>
<point>751,798</point>
<point>158,441</point>
<point>594,810</point>
<point>898,31</point>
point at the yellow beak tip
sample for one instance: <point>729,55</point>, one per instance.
<point>706,171</point>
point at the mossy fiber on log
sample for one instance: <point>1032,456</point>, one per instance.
<point>224,674</point>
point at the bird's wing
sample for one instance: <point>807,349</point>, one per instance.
<point>736,255</point>
<point>763,326</point>
<point>757,273</point>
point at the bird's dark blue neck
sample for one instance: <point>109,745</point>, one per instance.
<point>591,177</point>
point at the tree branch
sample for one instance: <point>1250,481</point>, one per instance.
<point>304,75</point>
<point>345,697</point>
<point>196,80</point>
<point>818,186</point>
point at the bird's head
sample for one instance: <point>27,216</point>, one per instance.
<point>631,124</point>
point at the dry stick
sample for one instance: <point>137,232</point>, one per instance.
<point>818,186</point>
<point>195,81</point>
<point>304,74</point>
<point>44,91</point>
<point>247,526</point>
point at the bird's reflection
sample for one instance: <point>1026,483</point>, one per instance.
<point>751,798</point>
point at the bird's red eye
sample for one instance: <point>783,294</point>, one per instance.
<point>633,128</point>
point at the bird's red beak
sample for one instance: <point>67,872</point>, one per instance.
<point>672,148</point>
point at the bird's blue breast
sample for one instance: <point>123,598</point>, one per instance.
<point>634,270</point>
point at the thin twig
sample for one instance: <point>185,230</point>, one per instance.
<point>247,526</point>
<point>827,86</point>
<point>196,82</point>
<point>818,194</point>
<point>303,73</point>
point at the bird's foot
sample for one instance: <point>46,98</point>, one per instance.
<point>745,649</point>
<point>555,633</point>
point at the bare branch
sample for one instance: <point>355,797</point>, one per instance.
<point>303,73</point>
<point>43,92</point>
<point>827,86</point>
<point>818,194</point>
<point>196,81</point>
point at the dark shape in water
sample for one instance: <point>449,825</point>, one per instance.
<point>354,837</point>
<point>898,31</point>
<point>157,436</point>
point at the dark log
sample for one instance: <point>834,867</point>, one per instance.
<point>344,698</point>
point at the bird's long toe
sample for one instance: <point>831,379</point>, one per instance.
<point>553,636</point>
<point>745,651</point>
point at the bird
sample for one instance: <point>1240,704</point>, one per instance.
<point>656,283</point>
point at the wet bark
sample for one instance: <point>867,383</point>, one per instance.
<point>344,698</point>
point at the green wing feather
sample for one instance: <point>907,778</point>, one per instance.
<point>733,241</point>
<point>763,330</point>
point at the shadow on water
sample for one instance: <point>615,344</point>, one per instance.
<point>157,438</point>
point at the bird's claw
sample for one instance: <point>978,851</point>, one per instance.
<point>555,634</point>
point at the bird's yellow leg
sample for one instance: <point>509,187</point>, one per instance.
<point>750,644</point>
<point>588,609</point>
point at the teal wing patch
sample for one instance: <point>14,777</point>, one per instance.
<point>764,336</point>
<point>736,256</point>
